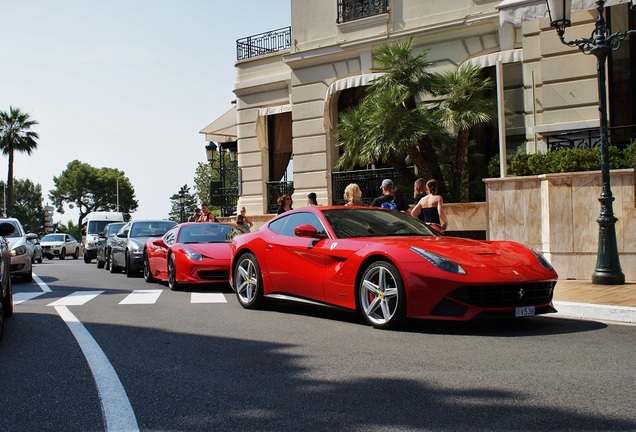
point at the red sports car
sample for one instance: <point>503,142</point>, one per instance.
<point>387,266</point>
<point>191,253</point>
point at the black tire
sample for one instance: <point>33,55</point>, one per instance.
<point>28,277</point>
<point>7,302</point>
<point>172,274</point>
<point>127,270</point>
<point>100,263</point>
<point>87,260</point>
<point>248,282</point>
<point>39,260</point>
<point>76,254</point>
<point>107,260</point>
<point>112,268</point>
<point>381,296</point>
<point>147,270</point>
<point>63,254</point>
<point>1,320</point>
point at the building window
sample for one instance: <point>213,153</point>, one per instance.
<point>349,10</point>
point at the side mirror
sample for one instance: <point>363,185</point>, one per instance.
<point>307,230</point>
<point>32,236</point>
<point>159,242</point>
<point>122,235</point>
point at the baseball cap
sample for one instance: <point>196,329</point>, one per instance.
<point>386,183</point>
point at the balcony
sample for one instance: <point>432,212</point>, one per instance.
<point>349,10</point>
<point>263,43</point>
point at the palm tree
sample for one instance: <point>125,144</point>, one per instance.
<point>461,107</point>
<point>16,135</point>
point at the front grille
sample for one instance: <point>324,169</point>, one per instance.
<point>214,274</point>
<point>506,295</point>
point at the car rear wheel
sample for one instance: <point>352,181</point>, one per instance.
<point>39,260</point>
<point>381,296</point>
<point>172,274</point>
<point>112,267</point>
<point>127,267</point>
<point>100,263</point>
<point>248,282</point>
<point>147,272</point>
<point>76,254</point>
<point>63,254</point>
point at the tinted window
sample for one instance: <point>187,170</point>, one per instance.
<point>285,224</point>
<point>348,223</point>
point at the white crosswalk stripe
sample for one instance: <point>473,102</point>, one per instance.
<point>77,298</point>
<point>149,296</point>
<point>137,297</point>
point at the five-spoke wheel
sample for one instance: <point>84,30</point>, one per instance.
<point>172,274</point>
<point>248,283</point>
<point>382,296</point>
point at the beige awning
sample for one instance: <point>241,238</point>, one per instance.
<point>517,11</point>
<point>222,129</point>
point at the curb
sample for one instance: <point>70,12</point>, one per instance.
<point>600,312</point>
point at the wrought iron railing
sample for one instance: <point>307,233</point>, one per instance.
<point>590,138</point>
<point>349,10</point>
<point>263,43</point>
<point>369,182</point>
<point>275,190</point>
<point>229,201</point>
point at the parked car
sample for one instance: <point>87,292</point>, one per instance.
<point>59,245</point>
<point>104,243</point>
<point>37,249</point>
<point>387,266</point>
<point>128,244</point>
<point>21,250</point>
<point>6,294</point>
<point>191,253</point>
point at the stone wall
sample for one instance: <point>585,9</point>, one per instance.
<point>556,214</point>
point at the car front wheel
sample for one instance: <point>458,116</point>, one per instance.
<point>63,254</point>
<point>172,274</point>
<point>7,302</point>
<point>112,267</point>
<point>248,282</point>
<point>76,254</point>
<point>381,296</point>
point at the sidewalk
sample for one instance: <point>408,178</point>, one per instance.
<point>582,299</point>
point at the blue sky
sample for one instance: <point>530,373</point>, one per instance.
<point>126,84</point>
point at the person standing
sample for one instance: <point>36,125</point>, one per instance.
<point>353,195</point>
<point>247,222</point>
<point>430,208</point>
<point>284,204</point>
<point>206,215</point>
<point>387,200</point>
<point>196,213</point>
<point>311,199</point>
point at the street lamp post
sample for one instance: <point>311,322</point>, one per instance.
<point>600,44</point>
<point>181,203</point>
<point>210,151</point>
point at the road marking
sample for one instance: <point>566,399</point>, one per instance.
<point>148,296</point>
<point>22,297</point>
<point>198,297</point>
<point>44,287</point>
<point>116,408</point>
<point>76,299</point>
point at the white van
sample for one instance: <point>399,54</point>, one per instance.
<point>95,223</point>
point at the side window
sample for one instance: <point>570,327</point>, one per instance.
<point>285,225</point>
<point>169,237</point>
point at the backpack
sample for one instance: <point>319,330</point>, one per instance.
<point>389,205</point>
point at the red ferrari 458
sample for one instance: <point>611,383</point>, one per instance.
<point>387,266</point>
<point>191,253</point>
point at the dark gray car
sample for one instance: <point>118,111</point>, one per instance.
<point>127,246</point>
<point>104,244</point>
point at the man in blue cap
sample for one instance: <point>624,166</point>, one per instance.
<point>387,200</point>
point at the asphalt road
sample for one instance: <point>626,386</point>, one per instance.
<point>156,361</point>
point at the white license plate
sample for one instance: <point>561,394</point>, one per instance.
<point>524,311</point>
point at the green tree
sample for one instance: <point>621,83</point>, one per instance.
<point>16,134</point>
<point>93,189</point>
<point>28,208</point>
<point>206,173</point>
<point>181,212</point>
<point>462,106</point>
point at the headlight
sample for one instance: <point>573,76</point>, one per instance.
<point>544,262</point>
<point>192,255</point>
<point>20,250</point>
<point>439,261</point>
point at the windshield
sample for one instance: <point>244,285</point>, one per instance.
<point>208,233</point>
<point>18,231</point>
<point>347,223</point>
<point>96,226</point>
<point>113,228</point>
<point>53,238</point>
<point>150,228</point>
